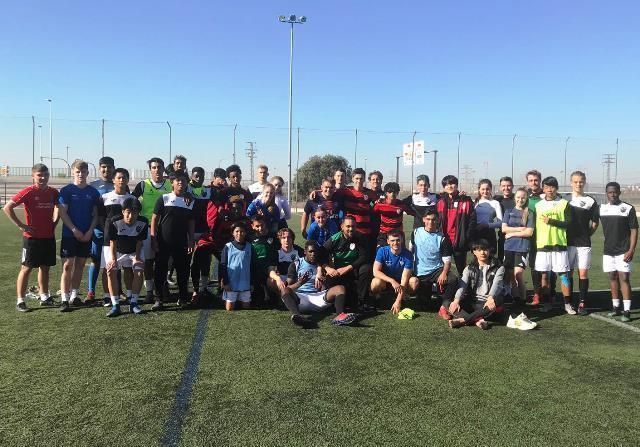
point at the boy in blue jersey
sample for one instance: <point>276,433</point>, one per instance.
<point>306,292</point>
<point>78,205</point>
<point>322,228</point>
<point>392,270</point>
<point>433,253</point>
<point>237,262</point>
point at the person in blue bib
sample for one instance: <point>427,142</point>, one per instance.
<point>306,292</point>
<point>433,253</point>
<point>237,264</point>
<point>392,270</point>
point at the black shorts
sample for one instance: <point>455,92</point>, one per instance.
<point>38,252</point>
<point>514,259</point>
<point>70,247</point>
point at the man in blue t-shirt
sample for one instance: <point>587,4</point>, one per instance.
<point>392,269</point>
<point>433,253</point>
<point>78,205</point>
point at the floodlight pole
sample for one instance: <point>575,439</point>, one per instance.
<point>50,136</point>
<point>170,137</point>
<point>355,152</point>
<point>103,137</point>
<point>566,143</point>
<point>513,149</point>
<point>33,138</point>
<point>413,153</point>
<point>235,127</point>
<point>398,157</point>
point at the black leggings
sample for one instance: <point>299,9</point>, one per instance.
<point>471,310</point>
<point>200,266</point>
<point>180,263</point>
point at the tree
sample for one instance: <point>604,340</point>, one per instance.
<point>311,173</point>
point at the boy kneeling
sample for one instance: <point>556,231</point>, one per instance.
<point>125,235</point>
<point>481,290</point>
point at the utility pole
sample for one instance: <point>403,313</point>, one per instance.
<point>467,180</point>
<point>608,160</point>
<point>251,153</point>
<point>398,157</point>
<point>68,153</point>
<point>235,127</point>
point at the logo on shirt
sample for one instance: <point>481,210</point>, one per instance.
<point>365,197</point>
<point>623,209</point>
<point>270,240</point>
<point>293,257</point>
<point>583,204</point>
<point>398,211</point>
<point>352,246</point>
<point>139,228</point>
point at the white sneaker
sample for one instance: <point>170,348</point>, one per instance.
<point>521,322</point>
<point>569,309</point>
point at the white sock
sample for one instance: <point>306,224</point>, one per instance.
<point>20,300</point>
<point>134,298</point>
<point>44,297</point>
<point>74,293</point>
<point>627,305</point>
<point>129,293</point>
<point>64,297</point>
<point>616,303</point>
<point>148,285</point>
<point>114,300</point>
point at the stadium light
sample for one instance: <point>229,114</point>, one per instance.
<point>292,20</point>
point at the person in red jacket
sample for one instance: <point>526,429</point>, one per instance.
<point>457,219</point>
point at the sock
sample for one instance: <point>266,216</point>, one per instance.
<point>148,285</point>
<point>64,297</point>
<point>204,280</point>
<point>616,303</point>
<point>583,285</point>
<point>134,298</point>
<point>44,297</point>
<point>339,303</point>
<point>74,294</point>
<point>20,300</point>
<point>129,293</point>
<point>627,305</point>
<point>114,300</point>
<point>567,300</point>
<point>93,277</point>
<point>291,304</point>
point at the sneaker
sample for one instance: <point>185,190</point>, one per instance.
<point>626,316</point>
<point>344,319</point>
<point>114,312</point>
<point>482,324</point>
<point>76,301</point>
<point>300,320</point>
<point>195,300</point>
<point>183,304</point>
<point>47,303</point>
<point>521,322</point>
<point>547,307</point>
<point>64,306</point>
<point>367,309</point>
<point>126,301</point>
<point>106,302</point>
<point>535,300</point>
<point>22,307</point>
<point>444,313</point>
<point>90,300</point>
<point>568,308</point>
<point>614,313</point>
<point>157,305</point>
<point>135,309</point>
<point>582,311</point>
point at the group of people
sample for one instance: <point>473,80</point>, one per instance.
<point>356,249</point>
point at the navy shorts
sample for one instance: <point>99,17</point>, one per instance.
<point>70,247</point>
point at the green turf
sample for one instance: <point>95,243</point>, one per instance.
<point>82,379</point>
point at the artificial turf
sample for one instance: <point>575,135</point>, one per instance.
<point>83,379</point>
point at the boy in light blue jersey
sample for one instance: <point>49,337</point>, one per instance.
<point>237,262</point>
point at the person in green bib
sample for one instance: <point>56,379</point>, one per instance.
<point>148,191</point>
<point>348,262</point>
<point>552,219</point>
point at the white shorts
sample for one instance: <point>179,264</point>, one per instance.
<point>232,296</point>
<point>125,260</point>
<point>312,302</point>
<point>552,261</point>
<point>147,250</point>
<point>615,264</point>
<point>579,258</point>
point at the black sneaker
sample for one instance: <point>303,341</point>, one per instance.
<point>615,312</point>
<point>106,302</point>
<point>22,307</point>
<point>626,316</point>
<point>302,321</point>
<point>367,309</point>
<point>582,311</point>
<point>64,307</point>
<point>76,301</point>
<point>47,303</point>
<point>157,305</point>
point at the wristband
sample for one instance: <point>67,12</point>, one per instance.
<point>73,229</point>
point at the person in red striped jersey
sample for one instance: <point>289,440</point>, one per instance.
<point>390,211</point>
<point>356,201</point>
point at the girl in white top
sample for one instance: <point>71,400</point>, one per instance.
<point>488,214</point>
<point>281,200</point>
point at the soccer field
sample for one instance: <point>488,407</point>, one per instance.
<point>207,377</point>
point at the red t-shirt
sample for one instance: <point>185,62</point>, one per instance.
<point>391,214</point>
<point>357,204</point>
<point>38,210</point>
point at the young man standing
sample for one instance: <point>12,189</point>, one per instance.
<point>263,175</point>
<point>620,228</point>
<point>533,179</point>
<point>553,215</point>
<point>392,269</point>
<point>104,185</point>
<point>38,233</point>
<point>421,201</point>
<point>356,201</point>
<point>457,220</point>
<point>172,235</point>
<point>389,212</point>
<point>78,205</point>
<point>584,223</point>
<point>148,192</point>
<point>507,202</point>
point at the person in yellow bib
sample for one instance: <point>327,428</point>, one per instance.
<point>552,219</point>
<point>148,191</point>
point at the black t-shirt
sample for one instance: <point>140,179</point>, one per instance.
<point>584,210</point>
<point>507,203</point>
<point>126,236</point>
<point>110,207</point>
<point>617,222</point>
<point>284,259</point>
<point>420,206</point>
<point>174,216</point>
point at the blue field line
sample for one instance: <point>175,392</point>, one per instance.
<point>180,407</point>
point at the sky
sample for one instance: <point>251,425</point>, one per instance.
<point>468,72</point>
